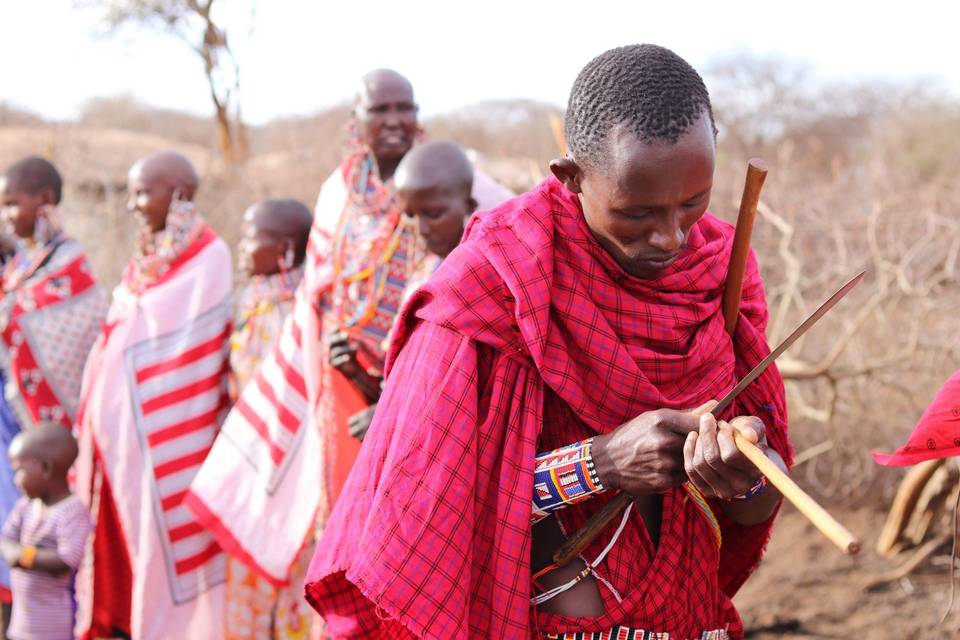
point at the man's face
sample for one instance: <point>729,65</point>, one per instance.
<point>19,208</point>
<point>440,214</point>
<point>260,251</point>
<point>149,197</point>
<point>642,206</point>
<point>387,117</point>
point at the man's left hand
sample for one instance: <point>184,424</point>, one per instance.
<point>712,460</point>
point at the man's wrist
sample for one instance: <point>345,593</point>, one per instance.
<point>602,463</point>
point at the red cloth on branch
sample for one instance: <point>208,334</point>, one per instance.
<point>937,434</point>
<point>530,336</point>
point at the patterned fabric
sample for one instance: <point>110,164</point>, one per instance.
<point>624,633</point>
<point>43,604</point>
<point>51,311</point>
<point>264,305</point>
<point>563,477</point>
<point>937,434</point>
<point>155,393</point>
<point>537,338</point>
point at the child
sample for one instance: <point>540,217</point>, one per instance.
<point>272,251</point>
<point>44,535</point>
<point>155,391</point>
<point>271,254</point>
<point>434,187</point>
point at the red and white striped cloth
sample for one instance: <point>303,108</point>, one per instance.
<point>155,392</point>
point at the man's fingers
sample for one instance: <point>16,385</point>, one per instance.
<point>706,407</point>
<point>750,427</point>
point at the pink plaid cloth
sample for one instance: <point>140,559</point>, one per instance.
<point>528,337</point>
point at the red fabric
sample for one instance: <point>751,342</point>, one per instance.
<point>530,336</point>
<point>937,434</point>
<point>112,572</point>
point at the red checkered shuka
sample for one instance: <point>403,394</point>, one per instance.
<point>528,337</point>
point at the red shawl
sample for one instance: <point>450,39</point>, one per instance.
<point>937,434</point>
<point>530,316</point>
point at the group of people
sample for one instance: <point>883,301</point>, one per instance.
<point>426,388</point>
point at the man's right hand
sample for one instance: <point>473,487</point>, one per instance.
<point>343,355</point>
<point>645,456</point>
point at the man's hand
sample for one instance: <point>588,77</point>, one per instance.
<point>359,423</point>
<point>645,456</point>
<point>343,355</point>
<point>714,463</point>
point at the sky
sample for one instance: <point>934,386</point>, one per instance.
<point>300,56</point>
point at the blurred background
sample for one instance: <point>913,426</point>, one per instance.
<point>855,107</point>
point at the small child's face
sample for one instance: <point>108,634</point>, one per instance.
<point>440,215</point>
<point>149,198</point>
<point>28,472</point>
<point>260,252</point>
<point>19,208</point>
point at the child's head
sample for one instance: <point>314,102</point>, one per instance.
<point>642,142</point>
<point>40,458</point>
<point>275,234</point>
<point>155,181</point>
<point>25,188</point>
<point>434,181</point>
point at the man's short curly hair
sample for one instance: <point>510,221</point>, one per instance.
<point>34,174</point>
<point>648,89</point>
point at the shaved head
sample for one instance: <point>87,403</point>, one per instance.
<point>283,218</point>
<point>170,167</point>
<point>50,442</point>
<point>382,80</point>
<point>435,165</point>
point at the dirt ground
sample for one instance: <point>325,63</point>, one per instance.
<point>806,589</point>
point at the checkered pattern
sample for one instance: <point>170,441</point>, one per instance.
<point>625,633</point>
<point>536,338</point>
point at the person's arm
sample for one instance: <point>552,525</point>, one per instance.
<point>563,477</point>
<point>343,358</point>
<point>34,559</point>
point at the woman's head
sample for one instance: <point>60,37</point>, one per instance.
<point>642,143</point>
<point>26,188</point>
<point>154,182</point>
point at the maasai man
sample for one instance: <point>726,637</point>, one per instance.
<point>271,254</point>
<point>154,395</point>
<point>260,490</point>
<point>582,321</point>
<point>51,310</point>
<point>434,185</point>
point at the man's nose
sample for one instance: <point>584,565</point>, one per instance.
<point>667,236</point>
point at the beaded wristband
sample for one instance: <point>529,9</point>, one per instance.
<point>563,477</point>
<point>27,557</point>
<point>753,491</point>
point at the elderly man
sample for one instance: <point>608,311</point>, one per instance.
<point>555,357</point>
<point>260,491</point>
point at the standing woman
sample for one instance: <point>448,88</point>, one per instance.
<point>51,309</point>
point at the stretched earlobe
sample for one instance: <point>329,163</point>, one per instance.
<point>567,171</point>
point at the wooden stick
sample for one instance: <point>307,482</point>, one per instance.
<point>828,526</point>
<point>756,174</point>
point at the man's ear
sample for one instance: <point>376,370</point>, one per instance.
<point>567,171</point>
<point>46,196</point>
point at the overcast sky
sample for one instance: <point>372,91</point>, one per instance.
<point>303,55</point>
